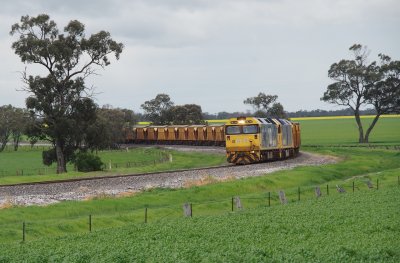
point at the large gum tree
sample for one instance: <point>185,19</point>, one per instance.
<point>59,99</point>
<point>358,83</point>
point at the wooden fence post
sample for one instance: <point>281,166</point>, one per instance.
<point>269,198</point>
<point>318,191</point>
<point>327,189</point>
<point>298,192</point>
<point>377,184</point>
<point>90,223</point>
<point>238,203</point>
<point>145,215</point>
<point>187,209</point>
<point>282,197</point>
<point>23,231</point>
<point>232,204</point>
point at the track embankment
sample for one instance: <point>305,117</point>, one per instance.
<point>43,194</point>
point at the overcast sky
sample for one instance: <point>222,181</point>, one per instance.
<point>213,53</point>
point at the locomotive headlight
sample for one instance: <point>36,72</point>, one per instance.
<point>242,121</point>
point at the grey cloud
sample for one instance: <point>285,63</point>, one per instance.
<point>231,49</point>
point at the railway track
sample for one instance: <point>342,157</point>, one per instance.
<point>43,193</point>
<point>115,176</point>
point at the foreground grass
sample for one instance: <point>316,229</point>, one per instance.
<point>137,160</point>
<point>357,165</point>
<point>363,226</point>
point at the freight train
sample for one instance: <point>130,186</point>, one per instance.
<point>247,139</point>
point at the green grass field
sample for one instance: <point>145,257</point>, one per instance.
<point>345,131</point>
<point>25,165</point>
<point>362,227</point>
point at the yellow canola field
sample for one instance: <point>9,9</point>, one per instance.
<point>304,118</point>
<point>343,117</point>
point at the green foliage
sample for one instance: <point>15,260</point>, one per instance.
<point>185,114</point>
<point>49,156</point>
<point>156,110</point>
<point>60,99</point>
<point>108,129</point>
<point>161,111</point>
<point>87,162</point>
<point>262,105</point>
<point>12,125</point>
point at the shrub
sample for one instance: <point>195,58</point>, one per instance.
<point>87,162</point>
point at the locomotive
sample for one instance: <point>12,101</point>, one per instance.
<point>252,140</point>
<point>247,139</point>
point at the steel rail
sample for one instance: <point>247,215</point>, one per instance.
<point>115,176</point>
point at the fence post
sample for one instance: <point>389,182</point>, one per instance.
<point>353,186</point>
<point>23,231</point>
<point>327,189</point>
<point>298,192</point>
<point>187,209</point>
<point>269,198</point>
<point>145,215</point>
<point>377,184</point>
<point>90,223</point>
<point>191,210</point>
<point>232,203</point>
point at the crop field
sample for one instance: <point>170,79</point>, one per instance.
<point>344,131</point>
<point>363,226</point>
<point>25,165</point>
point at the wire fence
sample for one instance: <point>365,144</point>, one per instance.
<point>22,230</point>
<point>157,158</point>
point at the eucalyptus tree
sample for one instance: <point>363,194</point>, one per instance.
<point>157,109</point>
<point>5,125</point>
<point>266,105</point>
<point>358,82</point>
<point>60,100</point>
<point>13,123</point>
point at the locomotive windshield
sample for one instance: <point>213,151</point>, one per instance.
<point>232,130</point>
<point>249,129</point>
<point>245,129</point>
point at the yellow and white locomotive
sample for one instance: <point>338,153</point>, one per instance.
<point>252,139</point>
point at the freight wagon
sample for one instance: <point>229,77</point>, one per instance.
<point>247,139</point>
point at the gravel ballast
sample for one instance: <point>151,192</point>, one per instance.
<point>43,194</point>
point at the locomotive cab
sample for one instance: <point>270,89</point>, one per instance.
<point>242,136</point>
<point>252,139</point>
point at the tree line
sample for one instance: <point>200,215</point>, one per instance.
<point>290,114</point>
